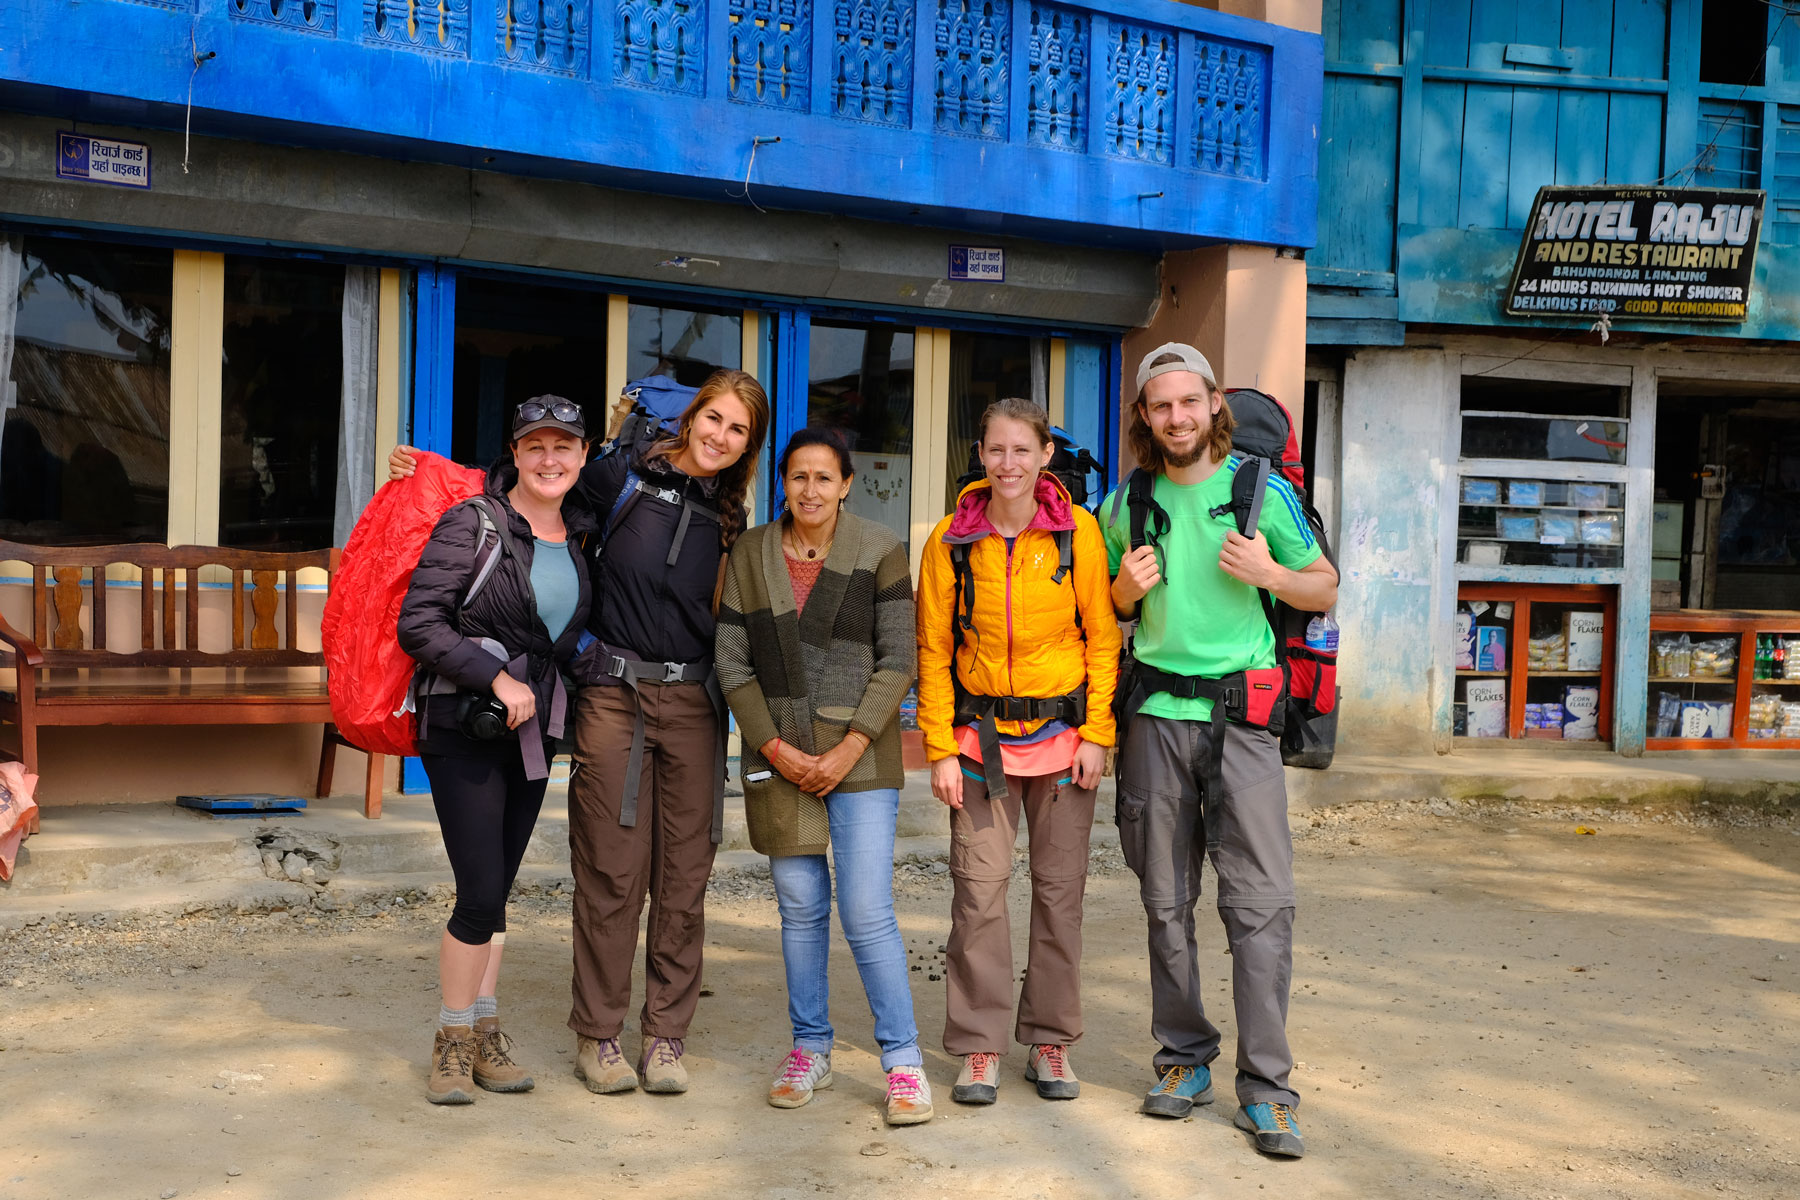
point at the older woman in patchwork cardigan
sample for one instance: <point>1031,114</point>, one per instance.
<point>815,652</point>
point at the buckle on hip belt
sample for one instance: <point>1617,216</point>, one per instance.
<point>615,666</point>
<point>1234,701</point>
<point>673,671</point>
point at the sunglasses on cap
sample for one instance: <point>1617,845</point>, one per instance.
<point>565,412</point>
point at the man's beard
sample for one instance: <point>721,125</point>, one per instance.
<point>1182,458</point>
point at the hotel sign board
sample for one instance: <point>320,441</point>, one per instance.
<point>1638,253</point>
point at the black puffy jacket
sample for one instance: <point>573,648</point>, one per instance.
<point>439,633</point>
<point>645,607</point>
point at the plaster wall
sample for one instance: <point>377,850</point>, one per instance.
<point>1395,482</point>
<point>1305,15</point>
<point>1244,307</point>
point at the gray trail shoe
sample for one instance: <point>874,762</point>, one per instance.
<point>1048,1067</point>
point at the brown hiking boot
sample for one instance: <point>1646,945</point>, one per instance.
<point>494,1068</point>
<point>660,1066</point>
<point>452,1066</point>
<point>601,1065</point>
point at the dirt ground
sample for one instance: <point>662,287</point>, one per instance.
<point>1487,1003</point>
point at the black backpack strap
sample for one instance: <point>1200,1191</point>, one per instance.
<point>962,598</point>
<point>487,552</point>
<point>1065,553</point>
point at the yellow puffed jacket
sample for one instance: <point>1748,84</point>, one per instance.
<point>1026,640</point>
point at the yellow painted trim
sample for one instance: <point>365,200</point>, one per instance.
<point>196,361</point>
<point>387,370</point>
<point>749,355</point>
<point>618,346</point>
<point>1059,379</point>
<point>931,418</point>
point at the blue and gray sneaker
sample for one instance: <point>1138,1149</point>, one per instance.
<point>1181,1088</point>
<point>1274,1127</point>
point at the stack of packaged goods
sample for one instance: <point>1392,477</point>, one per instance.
<point>1765,715</point>
<point>1549,653</point>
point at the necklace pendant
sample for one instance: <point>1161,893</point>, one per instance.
<point>812,554</point>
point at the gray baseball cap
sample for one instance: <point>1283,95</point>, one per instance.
<point>1190,360</point>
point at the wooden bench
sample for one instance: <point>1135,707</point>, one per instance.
<point>67,678</point>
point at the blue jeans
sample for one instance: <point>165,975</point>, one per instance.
<point>862,845</point>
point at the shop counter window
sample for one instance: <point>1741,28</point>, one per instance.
<point>84,451</point>
<point>1723,679</point>
<point>1534,661</point>
<point>685,344</point>
<point>1540,522</point>
<point>1536,438</point>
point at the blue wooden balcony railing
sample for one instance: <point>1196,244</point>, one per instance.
<point>1146,119</point>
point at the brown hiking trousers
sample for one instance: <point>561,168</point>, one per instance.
<point>1060,817</point>
<point>666,857</point>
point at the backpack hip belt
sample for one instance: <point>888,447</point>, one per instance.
<point>632,672</point>
<point>985,713</point>
<point>1251,698</point>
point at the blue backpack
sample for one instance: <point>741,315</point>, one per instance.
<point>657,403</point>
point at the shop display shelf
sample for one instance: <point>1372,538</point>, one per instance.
<point>1562,674</point>
<point>1487,674</point>
<point>1746,627</point>
<point>1695,679</point>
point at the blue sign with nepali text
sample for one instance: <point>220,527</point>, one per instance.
<point>985,263</point>
<point>102,160</point>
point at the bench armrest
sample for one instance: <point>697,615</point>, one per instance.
<point>27,651</point>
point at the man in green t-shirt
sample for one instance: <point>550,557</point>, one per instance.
<point>1195,595</point>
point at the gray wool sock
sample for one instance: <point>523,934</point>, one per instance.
<point>456,1016</point>
<point>486,1006</point>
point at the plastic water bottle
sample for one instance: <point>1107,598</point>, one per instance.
<point>1322,634</point>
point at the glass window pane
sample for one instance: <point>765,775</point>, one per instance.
<point>860,381</point>
<point>1541,523</point>
<point>282,395</point>
<point>686,344</point>
<point>84,452</point>
<point>515,341</point>
<point>985,367</point>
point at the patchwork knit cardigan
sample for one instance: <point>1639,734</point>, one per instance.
<point>808,678</point>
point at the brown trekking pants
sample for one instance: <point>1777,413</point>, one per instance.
<point>980,967</point>
<point>667,856</point>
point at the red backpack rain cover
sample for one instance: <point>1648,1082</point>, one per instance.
<point>367,671</point>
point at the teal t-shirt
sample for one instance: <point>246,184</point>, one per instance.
<point>555,584</point>
<point>1199,620</point>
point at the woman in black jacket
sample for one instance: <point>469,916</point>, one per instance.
<point>495,609</point>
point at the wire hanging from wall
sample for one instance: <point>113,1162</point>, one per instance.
<point>187,134</point>
<point>751,166</point>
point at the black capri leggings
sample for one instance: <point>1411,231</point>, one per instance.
<point>486,809</point>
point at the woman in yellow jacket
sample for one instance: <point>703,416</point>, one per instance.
<point>1018,656</point>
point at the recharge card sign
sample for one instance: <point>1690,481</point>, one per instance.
<point>1638,253</point>
<point>102,160</point>
<point>985,263</point>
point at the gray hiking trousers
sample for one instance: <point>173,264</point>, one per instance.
<point>1166,827</point>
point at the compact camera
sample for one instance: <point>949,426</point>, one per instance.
<point>481,717</point>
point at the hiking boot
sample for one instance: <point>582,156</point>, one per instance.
<point>979,1082</point>
<point>601,1065</point>
<point>660,1066</point>
<point>802,1073</point>
<point>494,1068</point>
<point>452,1066</point>
<point>1048,1067</point>
<point>908,1096</point>
<point>1181,1088</point>
<point>1274,1128</point>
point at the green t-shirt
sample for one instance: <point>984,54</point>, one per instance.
<point>1199,620</point>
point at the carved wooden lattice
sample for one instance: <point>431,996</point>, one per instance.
<point>972,40</point>
<point>770,60</point>
<point>659,45</point>
<point>313,16</point>
<point>1140,107</point>
<point>1230,83</point>
<point>872,60</point>
<point>1057,66</point>
<point>434,26</point>
<point>544,35</point>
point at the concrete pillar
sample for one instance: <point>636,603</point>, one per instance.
<point>1244,307</point>
<point>1390,604</point>
<point>1304,15</point>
